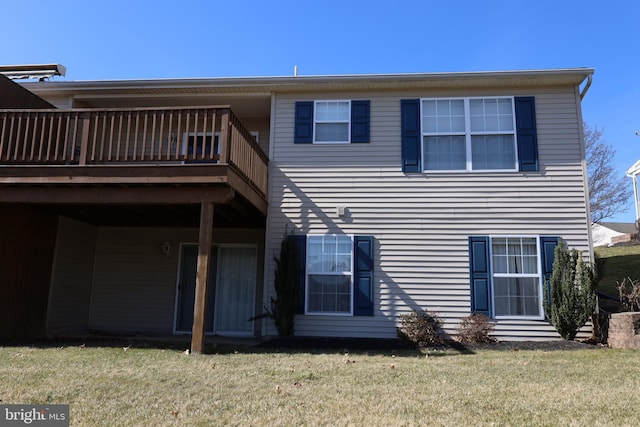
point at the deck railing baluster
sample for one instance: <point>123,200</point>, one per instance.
<point>132,136</point>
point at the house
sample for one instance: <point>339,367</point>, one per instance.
<point>610,233</point>
<point>633,173</point>
<point>159,205</point>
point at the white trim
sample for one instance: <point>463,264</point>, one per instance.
<point>633,173</point>
<point>177,298</point>
<point>351,282</point>
<point>315,121</point>
<point>468,133</point>
<point>178,276</point>
<point>539,275</point>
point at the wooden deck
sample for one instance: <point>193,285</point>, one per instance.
<point>143,155</point>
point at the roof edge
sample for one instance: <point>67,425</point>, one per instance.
<point>572,75</point>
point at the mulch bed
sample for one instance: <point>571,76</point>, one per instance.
<point>366,344</point>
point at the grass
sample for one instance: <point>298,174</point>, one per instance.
<point>114,386</point>
<point>615,264</point>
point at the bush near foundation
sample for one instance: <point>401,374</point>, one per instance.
<point>573,295</point>
<point>476,329</point>
<point>421,328</point>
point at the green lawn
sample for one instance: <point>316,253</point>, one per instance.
<point>616,263</point>
<point>154,387</point>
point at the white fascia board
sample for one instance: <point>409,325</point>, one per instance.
<point>634,170</point>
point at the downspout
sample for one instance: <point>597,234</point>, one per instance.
<point>586,87</point>
<point>579,96</point>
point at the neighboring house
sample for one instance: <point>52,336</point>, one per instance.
<point>633,173</point>
<point>610,233</point>
<point>441,191</point>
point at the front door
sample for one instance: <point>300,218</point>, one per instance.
<point>232,288</point>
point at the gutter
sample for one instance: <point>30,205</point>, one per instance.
<point>634,170</point>
<point>569,76</point>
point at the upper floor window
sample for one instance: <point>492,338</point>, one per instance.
<point>332,121</point>
<point>472,134</point>
<point>467,134</point>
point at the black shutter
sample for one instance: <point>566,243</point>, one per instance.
<point>303,133</point>
<point>363,280</point>
<point>547,254</point>
<point>526,132</point>
<point>410,135</point>
<point>300,243</point>
<point>360,121</point>
<point>479,273</point>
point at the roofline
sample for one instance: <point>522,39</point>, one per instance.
<point>344,81</point>
<point>634,170</point>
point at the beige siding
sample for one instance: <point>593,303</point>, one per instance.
<point>421,222</point>
<point>71,278</point>
<point>134,285</point>
<point>60,102</point>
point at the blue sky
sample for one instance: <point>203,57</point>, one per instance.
<point>155,39</point>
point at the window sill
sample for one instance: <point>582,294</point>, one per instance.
<point>518,318</point>
<point>461,171</point>
<point>328,314</point>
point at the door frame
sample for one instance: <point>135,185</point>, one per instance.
<point>216,290</point>
<point>176,303</point>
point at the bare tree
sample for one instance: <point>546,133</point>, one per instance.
<point>609,191</point>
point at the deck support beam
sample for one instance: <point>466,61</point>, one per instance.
<point>202,275</point>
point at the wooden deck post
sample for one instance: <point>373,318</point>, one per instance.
<point>84,141</point>
<point>225,140</point>
<point>202,275</point>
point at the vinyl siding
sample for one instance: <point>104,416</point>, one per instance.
<point>134,286</point>
<point>421,222</point>
<point>71,278</point>
<point>61,102</point>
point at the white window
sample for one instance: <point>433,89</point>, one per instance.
<point>467,134</point>
<point>329,274</point>
<point>197,145</point>
<point>332,121</point>
<point>517,290</point>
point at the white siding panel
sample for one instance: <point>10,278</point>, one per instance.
<point>71,278</point>
<point>421,222</point>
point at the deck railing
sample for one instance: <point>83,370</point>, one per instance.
<point>177,135</point>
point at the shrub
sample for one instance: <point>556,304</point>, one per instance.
<point>629,291</point>
<point>573,295</point>
<point>476,329</point>
<point>283,307</point>
<point>421,328</point>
